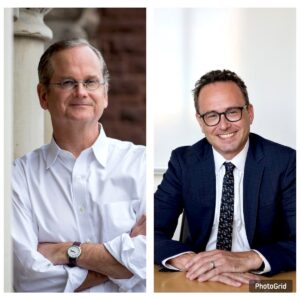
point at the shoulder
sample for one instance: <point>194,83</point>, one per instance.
<point>126,150</point>
<point>31,159</point>
<point>125,146</point>
<point>269,147</point>
<point>199,150</point>
<point>274,156</point>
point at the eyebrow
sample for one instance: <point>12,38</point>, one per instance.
<point>214,111</point>
<point>85,78</point>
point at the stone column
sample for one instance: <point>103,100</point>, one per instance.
<point>30,34</point>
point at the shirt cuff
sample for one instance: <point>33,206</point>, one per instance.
<point>131,253</point>
<point>168,266</point>
<point>267,267</point>
<point>76,277</point>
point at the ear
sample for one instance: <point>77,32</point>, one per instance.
<point>42,93</point>
<point>251,113</point>
<point>105,97</point>
<point>200,121</point>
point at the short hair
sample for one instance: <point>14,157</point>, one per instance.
<point>45,69</point>
<point>217,76</point>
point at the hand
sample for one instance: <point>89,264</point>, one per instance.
<point>139,228</point>
<point>206,265</point>
<point>235,279</point>
<point>55,252</point>
<point>180,261</point>
<point>92,279</point>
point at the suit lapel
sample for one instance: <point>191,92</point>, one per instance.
<point>205,188</point>
<point>254,169</point>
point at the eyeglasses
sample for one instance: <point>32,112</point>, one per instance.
<point>69,84</point>
<point>233,114</point>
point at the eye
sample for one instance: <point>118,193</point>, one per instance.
<point>68,83</point>
<point>91,82</point>
<point>211,116</point>
<point>233,112</point>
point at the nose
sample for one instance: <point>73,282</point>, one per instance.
<point>79,89</point>
<point>224,123</point>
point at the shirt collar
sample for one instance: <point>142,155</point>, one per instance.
<point>239,160</point>
<point>99,148</point>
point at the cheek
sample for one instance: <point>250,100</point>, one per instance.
<point>208,132</point>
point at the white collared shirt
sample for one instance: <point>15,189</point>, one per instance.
<point>239,237</point>
<point>96,197</point>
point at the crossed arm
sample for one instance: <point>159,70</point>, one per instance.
<point>94,257</point>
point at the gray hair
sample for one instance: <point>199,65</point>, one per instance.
<point>45,69</point>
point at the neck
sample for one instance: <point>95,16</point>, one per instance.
<point>75,139</point>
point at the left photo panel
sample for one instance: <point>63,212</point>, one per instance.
<point>76,150</point>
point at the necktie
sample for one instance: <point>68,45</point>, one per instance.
<point>224,238</point>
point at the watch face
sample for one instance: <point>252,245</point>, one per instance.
<point>74,251</point>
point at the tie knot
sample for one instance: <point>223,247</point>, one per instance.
<point>229,167</point>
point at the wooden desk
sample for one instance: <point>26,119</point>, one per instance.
<point>176,282</point>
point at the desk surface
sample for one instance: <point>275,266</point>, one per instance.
<point>176,282</point>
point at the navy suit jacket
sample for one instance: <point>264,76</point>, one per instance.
<point>189,184</point>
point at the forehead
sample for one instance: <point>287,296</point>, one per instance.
<point>219,96</point>
<point>77,59</point>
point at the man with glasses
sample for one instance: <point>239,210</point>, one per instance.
<point>78,202</point>
<point>237,191</point>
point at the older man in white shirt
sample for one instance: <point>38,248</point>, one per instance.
<point>78,202</point>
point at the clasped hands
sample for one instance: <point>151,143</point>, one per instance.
<point>231,268</point>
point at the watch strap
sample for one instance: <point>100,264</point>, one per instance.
<point>72,261</point>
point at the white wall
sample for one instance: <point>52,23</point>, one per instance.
<point>258,44</point>
<point>8,146</point>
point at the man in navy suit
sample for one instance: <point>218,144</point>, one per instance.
<point>263,231</point>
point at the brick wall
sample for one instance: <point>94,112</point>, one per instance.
<point>122,39</point>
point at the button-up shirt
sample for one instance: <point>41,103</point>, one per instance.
<point>239,237</point>
<point>94,198</point>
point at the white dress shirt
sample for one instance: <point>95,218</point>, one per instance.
<point>239,236</point>
<point>97,197</point>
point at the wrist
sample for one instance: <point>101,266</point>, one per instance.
<point>73,254</point>
<point>180,261</point>
<point>257,261</point>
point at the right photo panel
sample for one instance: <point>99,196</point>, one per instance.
<point>224,149</point>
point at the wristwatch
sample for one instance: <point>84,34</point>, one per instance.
<point>73,253</point>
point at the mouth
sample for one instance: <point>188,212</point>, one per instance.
<point>225,136</point>
<point>80,104</point>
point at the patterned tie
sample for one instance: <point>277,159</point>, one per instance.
<point>224,238</point>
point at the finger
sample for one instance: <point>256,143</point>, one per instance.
<point>205,256</point>
<point>141,220</point>
<point>199,270</point>
<point>226,280</point>
<point>139,229</point>
<point>242,277</point>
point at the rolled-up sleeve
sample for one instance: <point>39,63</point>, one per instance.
<point>131,253</point>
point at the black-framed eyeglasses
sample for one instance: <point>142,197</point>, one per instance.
<point>232,114</point>
<point>69,84</point>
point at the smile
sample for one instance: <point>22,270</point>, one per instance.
<point>227,135</point>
